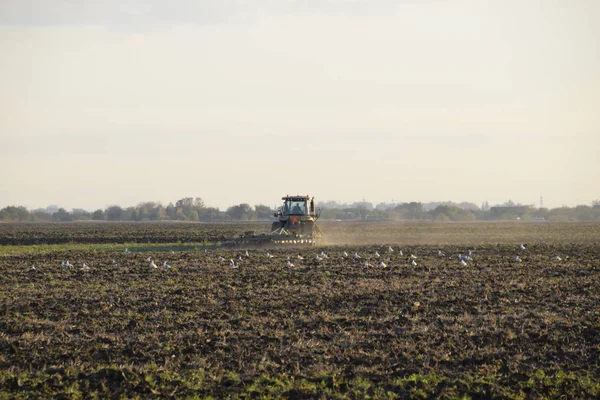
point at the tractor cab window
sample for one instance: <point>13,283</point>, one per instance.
<point>292,207</point>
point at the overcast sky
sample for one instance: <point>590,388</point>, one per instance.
<point>117,102</point>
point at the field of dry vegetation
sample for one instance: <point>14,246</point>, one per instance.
<point>332,328</point>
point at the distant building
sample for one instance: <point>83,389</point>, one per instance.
<point>51,209</point>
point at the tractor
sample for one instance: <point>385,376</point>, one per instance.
<point>295,226</point>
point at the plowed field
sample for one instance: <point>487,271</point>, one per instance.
<point>493,328</point>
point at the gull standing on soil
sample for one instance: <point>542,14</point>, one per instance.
<point>345,254</point>
<point>390,249</point>
<point>382,265</point>
<point>84,267</point>
<point>463,263</point>
<point>413,263</point>
<point>247,254</point>
<point>400,253</point>
<point>413,257</point>
<point>127,251</point>
<point>289,264</point>
<point>149,258</point>
<point>152,264</point>
<point>317,258</point>
<point>376,254</point>
<point>114,263</point>
<point>557,258</point>
<point>522,247</point>
<point>517,259</point>
<point>324,255</point>
<point>219,259</point>
<point>232,264</point>
<point>269,255</point>
<point>166,265</point>
<point>366,264</point>
<point>440,254</point>
<point>32,267</point>
<point>299,257</point>
<point>356,256</point>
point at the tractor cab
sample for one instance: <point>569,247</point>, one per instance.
<point>297,206</point>
<point>294,206</point>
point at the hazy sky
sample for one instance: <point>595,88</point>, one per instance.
<point>116,102</point>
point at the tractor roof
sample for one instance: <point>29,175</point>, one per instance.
<point>296,198</point>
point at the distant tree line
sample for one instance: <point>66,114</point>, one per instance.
<point>186,209</point>
<point>449,211</point>
<point>194,209</point>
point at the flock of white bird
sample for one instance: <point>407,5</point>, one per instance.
<point>235,264</point>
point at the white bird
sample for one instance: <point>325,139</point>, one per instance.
<point>152,264</point>
<point>289,264</point>
<point>517,259</point>
<point>299,257</point>
<point>382,265</point>
<point>247,254</point>
<point>317,258</point>
<point>440,254</point>
<point>166,265</point>
<point>63,264</point>
<point>324,255</point>
<point>522,247</point>
<point>269,255</point>
<point>239,258</point>
<point>400,252</point>
<point>557,258</point>
<point>366,264</point>
<point>127,251</point>
<point>345,254</point>
<point>84,267</point>
<point>356,256</point>
<point>467,258</point>
<point>390,249</point>
<point>219,259</point>
<point>460,256</point>
<point>463,263</point>
<point>413,263</point>
<point>149,258</point>
<point>33,267</point>
<point>114,262</point>
<point>232,263</point>
<point>412,256</point>
<point>172,252</point>
<point>470,253</point>
<point>376,254</point>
